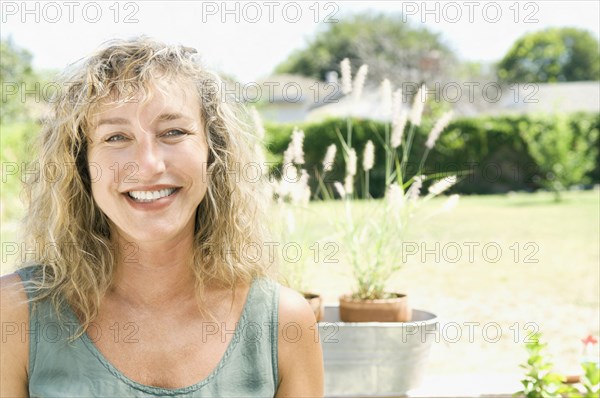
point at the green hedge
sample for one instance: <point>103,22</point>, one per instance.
<point>490,149</point>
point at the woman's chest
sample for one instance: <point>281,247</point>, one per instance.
<point>164,350</point>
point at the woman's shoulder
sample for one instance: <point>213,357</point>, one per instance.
<point>294,307</point>
<point>299,347</point>
<point>14,304</point>
<point>14,356</point>
<point>291,305</point>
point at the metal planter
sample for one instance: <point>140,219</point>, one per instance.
<point>375,358</point>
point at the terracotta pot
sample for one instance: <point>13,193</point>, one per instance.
<point>572,379</point>
<point>316,303</point>
<point>394,309</point>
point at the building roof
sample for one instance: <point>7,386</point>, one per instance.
<point>567,97</point>
<point>522,98</point>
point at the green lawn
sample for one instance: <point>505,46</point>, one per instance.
<point>546,277</point>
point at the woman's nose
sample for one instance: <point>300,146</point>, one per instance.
<point>149,158</point>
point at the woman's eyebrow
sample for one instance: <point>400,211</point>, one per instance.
<point>165,117</point>
<point>114,120</point>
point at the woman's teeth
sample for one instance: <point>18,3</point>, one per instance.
<point>149,196</point>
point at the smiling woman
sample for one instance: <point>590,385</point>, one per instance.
<point>142,287</point>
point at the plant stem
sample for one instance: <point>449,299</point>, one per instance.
<point>406,149</point>
<point>425,154</point>
<point>388,153</point>
<point>349,132</point>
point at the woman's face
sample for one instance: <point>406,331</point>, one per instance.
<point>148,163</point>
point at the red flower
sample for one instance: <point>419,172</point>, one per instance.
<point>589,340</point>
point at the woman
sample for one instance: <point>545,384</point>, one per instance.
<point>145,286</point>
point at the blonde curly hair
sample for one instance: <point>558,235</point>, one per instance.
<point>77,264</point>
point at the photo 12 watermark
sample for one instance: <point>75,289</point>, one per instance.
<point>469,252</point>
<point>471,11</point>
<point>450,332</point>
<point>53,12</point>
<point>269,11</point>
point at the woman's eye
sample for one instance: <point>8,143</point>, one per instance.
<point>115,138</point>
<point>174,133</point>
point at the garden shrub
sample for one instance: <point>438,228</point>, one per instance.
<point>491,150</point>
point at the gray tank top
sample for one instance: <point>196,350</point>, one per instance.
<point>59,368</point>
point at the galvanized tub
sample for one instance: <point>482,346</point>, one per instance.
<point>375,358</point>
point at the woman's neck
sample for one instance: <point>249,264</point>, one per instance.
<point>154,274</point>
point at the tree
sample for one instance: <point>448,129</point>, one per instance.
<point>564,151</point>
<point>391,47</point>
<point>552,55</point>
<point>15,71</point>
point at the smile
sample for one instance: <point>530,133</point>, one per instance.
<point>151,196</point>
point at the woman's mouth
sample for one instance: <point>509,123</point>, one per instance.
<point>151,196</point>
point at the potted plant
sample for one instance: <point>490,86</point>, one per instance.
<point>373,342</point>
<point>385,354</point>
<point>371,232</point>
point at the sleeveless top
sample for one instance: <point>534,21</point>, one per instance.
<point>62,367</point>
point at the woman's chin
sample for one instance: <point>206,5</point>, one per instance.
<point>153,234</point>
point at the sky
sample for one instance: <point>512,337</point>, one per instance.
<point>248,39</point>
